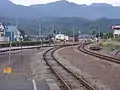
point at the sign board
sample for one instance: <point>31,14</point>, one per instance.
<point>7,70</point>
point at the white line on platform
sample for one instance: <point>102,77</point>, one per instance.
<point>34,84</point>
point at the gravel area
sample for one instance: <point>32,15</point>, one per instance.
<point>41,71</point>
<point>106,75</point>
<point>105,51</point>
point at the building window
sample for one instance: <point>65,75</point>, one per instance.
<point>2,35</point>
<point>116,35</point>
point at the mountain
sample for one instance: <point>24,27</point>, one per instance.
<point>64,8</point>
<point>9,9</point>
<point>63,25</point>
<point>100,5</point>
<point>5,2</point>
<point>61,8</point>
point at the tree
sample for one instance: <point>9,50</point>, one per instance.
<point>101,34</point>
<point>107,35</point>
<point>22,32</point>
<point>93,32</point>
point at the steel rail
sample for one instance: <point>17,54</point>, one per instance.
<point>66,86</point>
<point>81,80</point>
<point>104,57</point>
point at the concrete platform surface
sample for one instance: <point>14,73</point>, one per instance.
<point>19,82</point>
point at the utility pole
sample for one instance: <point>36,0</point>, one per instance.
<point>40,33</point>
<point>98,33</point>
<point>10,41</point>
<point>54,32</point>
<point>64,37</point>
<point>21,38</point>
<point>79,32</point>
<point>16,29</point>
<point>73,35</point>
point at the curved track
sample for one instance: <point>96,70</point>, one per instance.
<point>104,57</point>
<point>69,80</point>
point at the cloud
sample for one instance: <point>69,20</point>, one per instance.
<point>114,2</point>
<point>29,2</point>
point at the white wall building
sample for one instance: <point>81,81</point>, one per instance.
<point>116,32</point>
<point>15,33</point>
<point>1,32</point>
<point>61,37</point>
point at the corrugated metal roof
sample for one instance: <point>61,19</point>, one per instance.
<point>85,36</point>
<point>10,28</point>
<point>117,27</point>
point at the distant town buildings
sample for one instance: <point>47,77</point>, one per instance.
<point>116,32</point>
<point>9,32</point>
<point>85,37</point>
<point>1,32</point>
<point>12,31</point>
<point>61,37</point>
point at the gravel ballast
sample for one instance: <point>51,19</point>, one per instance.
<point>105,74</point>
<point>41,71</point>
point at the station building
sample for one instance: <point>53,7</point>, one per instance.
<point>86,37</point>
<point>116,32</point>
<point>1,32</point>
<point>61,37</point>
<point>12,31</point>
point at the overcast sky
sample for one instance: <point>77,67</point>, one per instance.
<point>29,2</point>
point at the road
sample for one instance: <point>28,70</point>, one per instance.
<point>21,76</point>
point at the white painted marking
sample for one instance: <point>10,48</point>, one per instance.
<point>34,84</point>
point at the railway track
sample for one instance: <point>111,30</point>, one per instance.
<point>68,79</point>
<point>19,48</point>
<point>104,57</point>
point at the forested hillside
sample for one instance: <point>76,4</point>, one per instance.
<point>61,8</point>
<point>63,25</point>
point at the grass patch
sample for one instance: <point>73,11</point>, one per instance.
<point>111,43</point>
